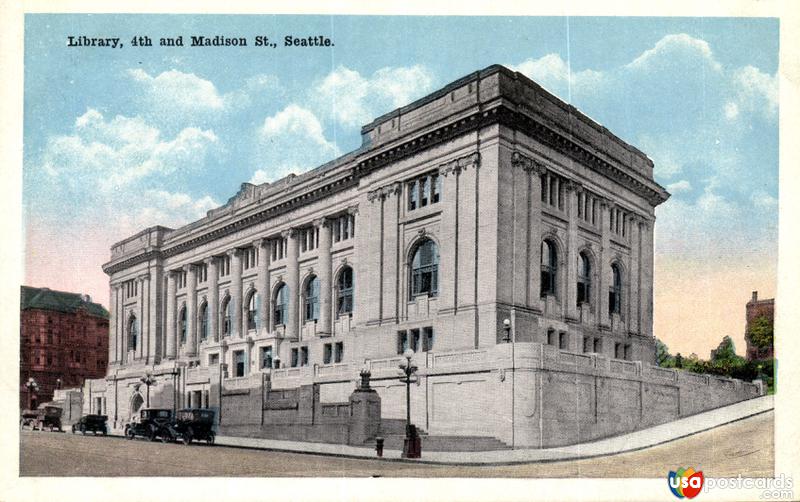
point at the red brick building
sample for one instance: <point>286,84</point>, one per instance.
<point>756,308</point>
<point>63,341</point>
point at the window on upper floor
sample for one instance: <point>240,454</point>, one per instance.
<point>202,273</point>
<point>549,269</point>
<point>281,302</point>
<point>224,267</point>
<point>279,248</point>
<point>343,227</point>
<point>344,291</point>
<point>133,332</point>
<point>266,358</point>
<point>203,321</point>
<point>238,363</point>
<point>417,339</point>
<point>553,190</point>
<point>584,279</point>
<point>253,306</point>
<point>227,321</point>
<point>182,325</point>
<point>424,190</point>
<point>615,291</point>
<point>309,239</point>
<point>424,269</point>
<point>181,279</point>
<point>250,257</point>
<point>311,299</point>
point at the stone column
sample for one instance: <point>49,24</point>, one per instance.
<point>448,283</point>
<point>170,316</point>
<point>191,310</point>
<point>112,323</point>
<point>120,334</point>
<point>646,279</point>
<point>263,282</point>
<point>534,171</point>
<point>213,298</point>
<point>236,293</point>
<point>631,292</point>
<point>154,325</point>
<point>571,206</point>
<point>293,281</point>
<point>390,286</point>
<point>325,276</point>
<point>143,309</point>
<point>605,254</point>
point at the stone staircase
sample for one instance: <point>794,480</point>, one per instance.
<point>393,433</point>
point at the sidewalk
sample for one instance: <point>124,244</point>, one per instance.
<point>619,444</point>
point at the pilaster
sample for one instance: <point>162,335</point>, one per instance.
<point>170,316</point>
<point>570,300</point>
<point>236,292</point>
<point>390,253</point>
<point>264,256</point>
<point>605,254</point>
<point>191,310</point>
<point>213,298</point>
<point>325,272</point>
<point>293,279</point>
<point>112,323</point>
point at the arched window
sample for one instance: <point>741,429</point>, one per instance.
<point>549,269</point>
<point>253,305</point>
<point>226,317</point>
<point>281,305</point>
<point>425,269</point>
<point>344,290</point>
<point>133,333</point>
<point>203,318</point>
<point>584,278</point>
<point>182,325</point>
<point>312,299</point>
<point>615,291</point>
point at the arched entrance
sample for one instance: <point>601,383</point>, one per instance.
<point>136,404</point>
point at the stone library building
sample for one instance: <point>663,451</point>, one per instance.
<point>485,201</point>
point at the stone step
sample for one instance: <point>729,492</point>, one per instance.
<point>446,443</point>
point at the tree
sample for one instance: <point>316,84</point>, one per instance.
<point>761,332</point>
<point>725,351</point>
<point>678,360</point>
<point>663,358</point>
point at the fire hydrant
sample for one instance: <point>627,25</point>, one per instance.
<point>379,446</point>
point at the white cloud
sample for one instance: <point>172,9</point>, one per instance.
<point>675,49</point>
<point>113,153</point>
<point>555,75</point>
<point>354,100</point>
<point>731,110</point>
<point>171,209</point>
<point>178,91</point>
<point>681,186</point>
<point>763,200</point>
<point>756,90</point>
<point>291,141</point>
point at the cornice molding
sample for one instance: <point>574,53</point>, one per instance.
<point>455,166</point>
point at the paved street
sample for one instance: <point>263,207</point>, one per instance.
<point>745,447</point>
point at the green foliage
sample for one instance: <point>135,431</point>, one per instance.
<point>663,358</point>
<point>761,332</point>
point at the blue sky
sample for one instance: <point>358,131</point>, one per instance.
<point>120,139</point>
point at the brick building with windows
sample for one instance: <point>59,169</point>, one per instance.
<point>63,341</point>
<point>487,200</point>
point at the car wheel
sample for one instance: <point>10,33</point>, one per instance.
<point>153,434</point>
<point>188,436</point>
<point>210,438</point>
<point>129,433</point>
<point>105,430</point>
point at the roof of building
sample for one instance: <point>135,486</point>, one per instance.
<point>59,301</point>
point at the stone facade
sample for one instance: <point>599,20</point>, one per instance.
<point>487,200</point>
<point>63,341</point>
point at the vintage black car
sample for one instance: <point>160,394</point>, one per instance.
<point>153,423</point>
<point>191,424</point>
<point>91,423</point>
<point>44,417</point>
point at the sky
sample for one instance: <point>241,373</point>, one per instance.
<point>119,139</point>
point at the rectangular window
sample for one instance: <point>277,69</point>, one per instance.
<point>309,239</point>
<point>250,257</point>
<point>402,341</point>
<point>327,353</point>
<point>266,358</point>
<point>238,363</point>
<point>598,345</point>
<point>587,344</point>
<point>563,341</point>
<point>551,337</point>
<point>424,190</point>
<point>627,354</point>
<point>618,351</point>
<point>427,339</point>
<point>414,339</point>
<point>303,356</point>
<point>344,227</point>
<point>295,357</point>
<point>224,266</point>
<point>338,352</point>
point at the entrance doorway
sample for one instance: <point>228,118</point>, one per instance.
<point>136,404</point>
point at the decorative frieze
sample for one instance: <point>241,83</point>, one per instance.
<point>384,192</point>
<point>457,165</point>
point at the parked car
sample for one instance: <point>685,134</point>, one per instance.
<point>46,416</point>
<point>153,423</point>
<point>193,424</point>
<point>92,423</point>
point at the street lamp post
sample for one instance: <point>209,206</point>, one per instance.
<point>508,338</point>
<point>411,445</point>
<point>32,387</point>
<point>58,383</point>
<point>148,380</point>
